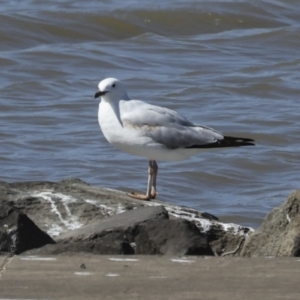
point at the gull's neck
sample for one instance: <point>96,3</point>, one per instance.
<point>114,105</point>
<point>125,97</point>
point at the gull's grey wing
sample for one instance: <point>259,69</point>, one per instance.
<point>140,113</point>
<point>165,126</point>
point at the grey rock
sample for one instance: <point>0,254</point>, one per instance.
<point>59,208</point>
<point>279,235</point>
<point>172,237</point>
<point>66,205</point>
<point>111,243</point>
<point>117,221</point>
<point>149,229</point>
<point>18,233</point>
<point>113,235</point>
<point>227,242</point>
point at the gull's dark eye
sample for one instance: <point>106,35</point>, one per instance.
<point>114,85</point>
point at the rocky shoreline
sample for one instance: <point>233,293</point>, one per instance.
<point>71,216</point>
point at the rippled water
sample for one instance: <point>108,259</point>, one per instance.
<point>231,65</point>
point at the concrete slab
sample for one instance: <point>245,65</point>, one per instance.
<point>149,277</point>
<point>2,260</point>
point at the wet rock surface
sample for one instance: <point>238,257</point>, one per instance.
<point>84,218</point>
<point>279,235</point>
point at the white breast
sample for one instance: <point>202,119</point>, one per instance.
<point>109,122</point>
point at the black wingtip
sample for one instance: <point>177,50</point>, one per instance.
<point>228,141</point>
<point>238,141</point>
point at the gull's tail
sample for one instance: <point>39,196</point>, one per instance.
<point>227,141</point>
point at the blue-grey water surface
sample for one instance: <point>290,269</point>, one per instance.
<point>230,65</point>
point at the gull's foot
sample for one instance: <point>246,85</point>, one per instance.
<point>153,193</point>
<point>140,196</point>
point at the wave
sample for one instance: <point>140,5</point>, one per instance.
<point>62,22</point>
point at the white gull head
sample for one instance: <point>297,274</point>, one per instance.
<point>111,90</point>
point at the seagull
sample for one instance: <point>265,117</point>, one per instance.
<point>154,132</point>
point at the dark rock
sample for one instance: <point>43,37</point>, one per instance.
<point>59,208</point>
<point>111,242</point>
<point>228,244</point>
<point>225,242</point>
<point>112,235</point>
<point>18,233</point>
<point>209,216</point>
<point>173,237</point>
<point>149,229</point>
<point>129,218</point>
<point>66,205</point>
<point>279,235</point>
